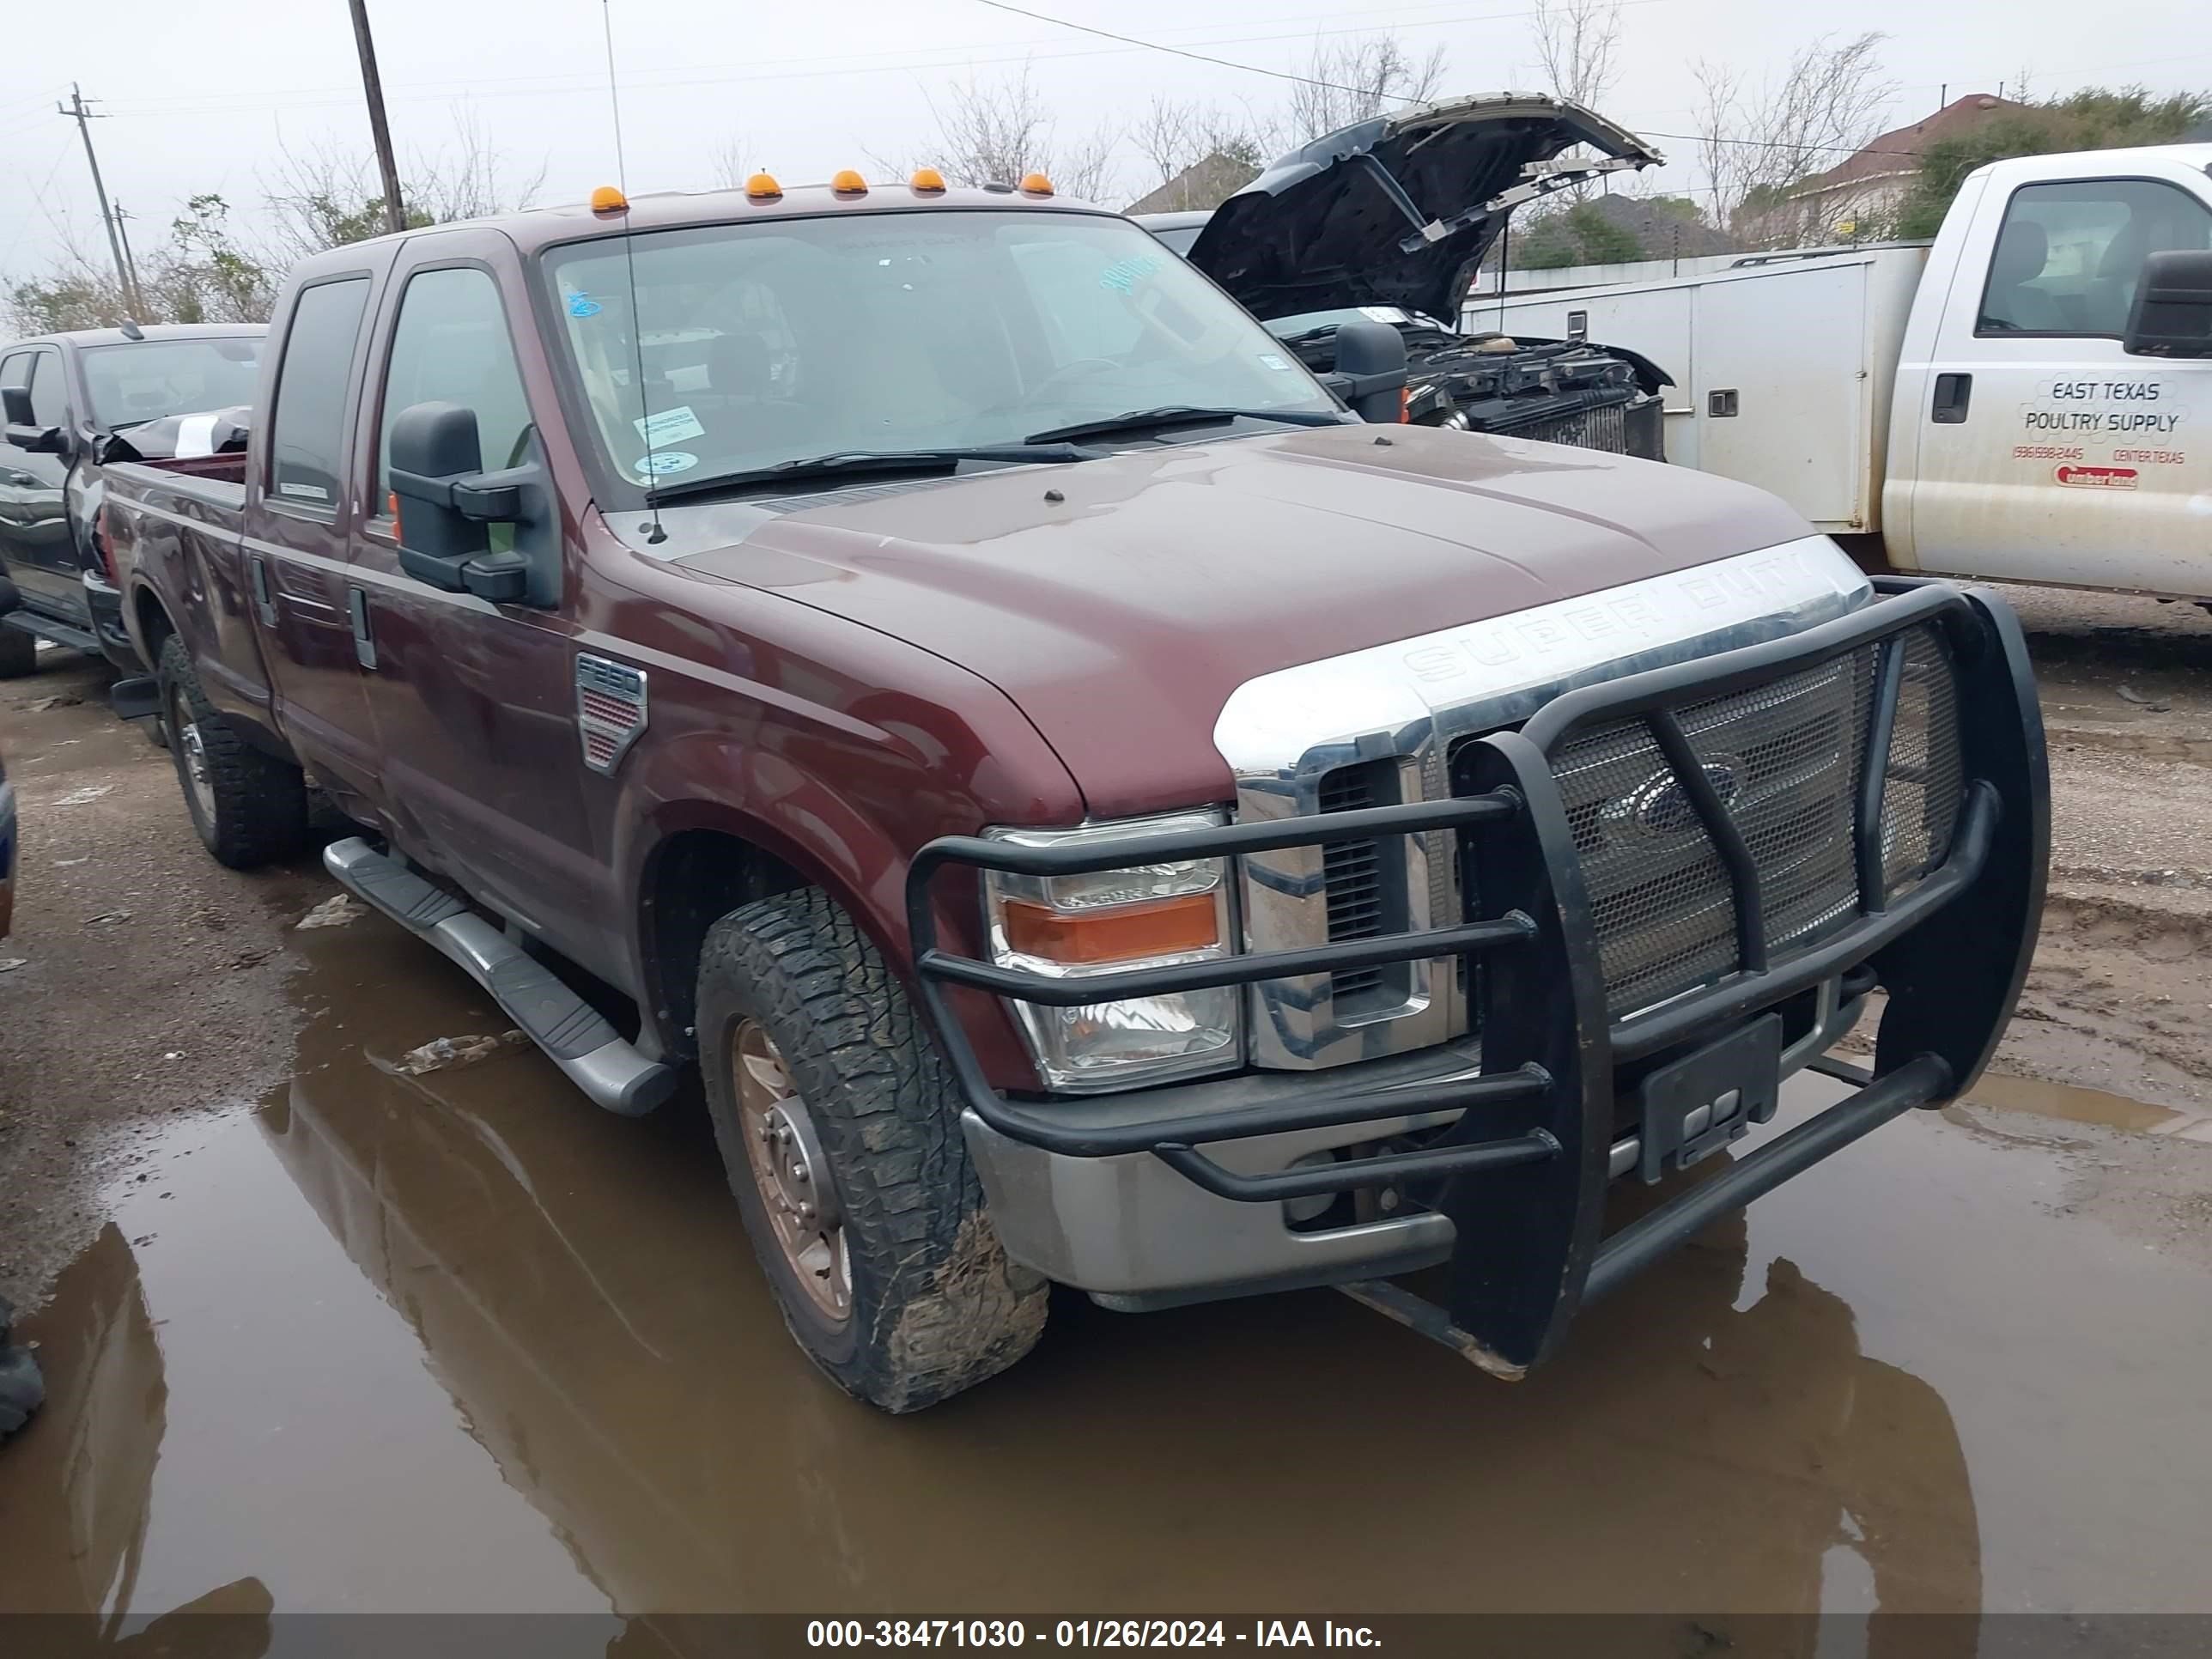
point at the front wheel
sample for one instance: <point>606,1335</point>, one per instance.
<point>840,1131</point>
<point>249,808</point>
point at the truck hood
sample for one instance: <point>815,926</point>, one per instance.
<point>1118,602</point>
<point>1397,209</point>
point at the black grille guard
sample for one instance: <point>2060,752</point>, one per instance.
<point>1525,1168</point>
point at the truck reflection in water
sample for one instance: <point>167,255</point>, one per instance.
<point>75,1484</point>
<point>581,1287</point>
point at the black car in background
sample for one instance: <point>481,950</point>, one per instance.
<point>1388,221</point>
<point>65,397</point>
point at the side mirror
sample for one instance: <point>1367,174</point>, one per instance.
<point>2171,316</point>
<point>447,499</point>
<point>39,440</point>
<point>1370,371</point>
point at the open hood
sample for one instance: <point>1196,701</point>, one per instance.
<point>1398,210</point>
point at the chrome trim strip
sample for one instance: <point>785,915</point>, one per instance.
<point>1283,733</point>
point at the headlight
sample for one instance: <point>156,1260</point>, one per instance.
<point>1072,926</point>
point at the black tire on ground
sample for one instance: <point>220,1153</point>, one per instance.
<point>19,654</point>
<point>935,1305</point>
<point>253,808</point>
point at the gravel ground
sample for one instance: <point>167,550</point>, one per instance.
<point>116,1022</point>
<point>152,979</point>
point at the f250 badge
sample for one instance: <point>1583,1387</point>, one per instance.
<point>609,709</point>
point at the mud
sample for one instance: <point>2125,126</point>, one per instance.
<point>455,1341</point>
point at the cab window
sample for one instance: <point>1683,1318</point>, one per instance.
<point>49,395</point>
<point>2069,256</point>
<point>451,345</point>
<point>308,425</point>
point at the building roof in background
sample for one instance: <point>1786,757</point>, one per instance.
<point>1206,182</point>
<point>1896,152</point>
<point>1663,233</point>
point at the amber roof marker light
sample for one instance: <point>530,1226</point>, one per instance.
<point>927,181</point>
<point>762,187</point>
<point>847,182</point>
<point>608,199</point>
<point>1036,183</point>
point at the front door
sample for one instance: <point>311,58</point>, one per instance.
<point>2046,453</point>
<point>35,530</point>
<point>475,702</point>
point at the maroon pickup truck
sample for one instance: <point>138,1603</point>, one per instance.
<point>1093,809</point>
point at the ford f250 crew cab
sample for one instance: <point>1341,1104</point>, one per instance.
<point>2027,399</point>
<point>1091,809</point>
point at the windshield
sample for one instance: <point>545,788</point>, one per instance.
<point>147,380</point>
<point>891,331</point>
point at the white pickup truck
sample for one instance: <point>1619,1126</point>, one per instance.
<point>2028,398</point>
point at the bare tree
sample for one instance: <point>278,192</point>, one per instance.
<point>1576,41</point>
<point>199,274</point>
<point>997,132</point>
<point>1355,78</point>
<point>329,195</point>
<point>1758,143</point>
<point>732,168</point>
<point>1205,152</point>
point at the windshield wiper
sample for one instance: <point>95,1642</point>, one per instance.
<point>1138,420</point>
<point>845,462</point>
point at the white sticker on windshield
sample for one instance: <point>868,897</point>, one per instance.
<point>662,462</point>
<point>669,426</point>
<point>1269,360</point>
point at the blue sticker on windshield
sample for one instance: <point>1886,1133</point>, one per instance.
<point>583,305</point>
<point>1122,274</point>
<point>662,462</point>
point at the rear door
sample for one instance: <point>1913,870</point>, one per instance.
<point>2046,452</point>
<point>34,532</point>
<point>299,523</point>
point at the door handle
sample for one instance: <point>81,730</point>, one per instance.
<point>1952,393</point>
<point>364,647</point>
<point>264,603</point>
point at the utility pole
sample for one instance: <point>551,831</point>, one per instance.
<point>75,110</point>
<point>130,264</point>
<point>395,216</point>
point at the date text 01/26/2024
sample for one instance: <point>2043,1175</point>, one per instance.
<point>1085,1633</point>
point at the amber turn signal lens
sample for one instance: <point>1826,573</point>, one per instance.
<point>1124,934</point>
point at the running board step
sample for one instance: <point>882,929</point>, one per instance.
<point>51,628</point>
<point>575,1036</point>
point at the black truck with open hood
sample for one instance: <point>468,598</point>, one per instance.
<point>1389,220</point>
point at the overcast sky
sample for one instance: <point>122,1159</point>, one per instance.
<point>211,94</point>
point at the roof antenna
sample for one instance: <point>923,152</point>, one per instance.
<point>655,534</point>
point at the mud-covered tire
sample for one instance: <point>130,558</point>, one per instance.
<point>19,654</point>
<point>935,1305</point>
<point>253,809</point>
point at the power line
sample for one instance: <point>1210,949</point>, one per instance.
<point>1332,85</point>
<point>38,201</point>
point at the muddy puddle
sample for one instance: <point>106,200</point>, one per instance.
<point>457,1341</point>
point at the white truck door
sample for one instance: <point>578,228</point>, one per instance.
<point>2045,452</point>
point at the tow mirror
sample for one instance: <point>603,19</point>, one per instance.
<point>2171,316</point>
<point>446,502</point>
<point>1370,370</point>
<point>24,428</point>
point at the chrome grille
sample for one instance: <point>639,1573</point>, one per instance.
<point>1352,873</point>
<point>1786,759</point>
